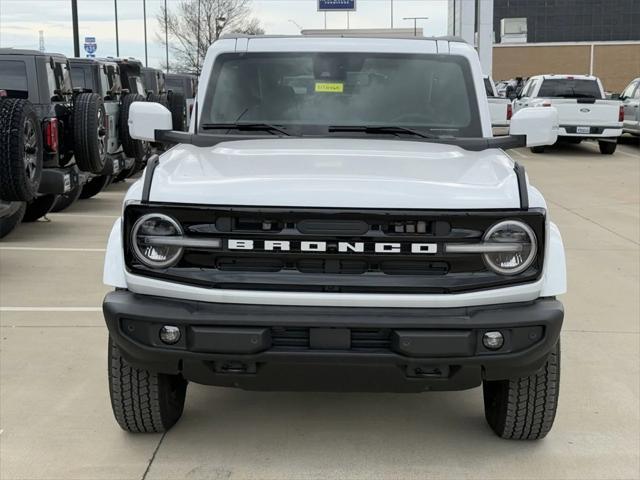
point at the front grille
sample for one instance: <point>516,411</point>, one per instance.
<point>336,268</point>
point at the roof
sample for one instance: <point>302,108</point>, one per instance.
<point>37,53</point>
<point>355,34</point>
<point>564,76</point>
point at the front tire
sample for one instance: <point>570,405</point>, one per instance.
<point>524,408</point>
<point>607,148</point>
<point>143,401</point>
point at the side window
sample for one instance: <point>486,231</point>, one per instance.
<point>628,92</point>
<point>637,94</point>
<point>527,90</point>
<point>104,82</point>
<point>51,79</point>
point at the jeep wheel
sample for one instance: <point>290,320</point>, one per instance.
<point>39,207</point>
<point>90,132</point>
<point>94,186</point>
<point>20,151</point>
<point>132,148</point>
<point>524,408</point>
<point>178,109</point>
<point>607,148</point>
<point>143,401</point>
<point>9,223</point>
<point>539,149</point>
<point>65,200</point>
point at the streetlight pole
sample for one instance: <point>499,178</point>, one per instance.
<point>115,9</point>
<point>144,13</point>
<point>415,23</point>
<point>76,34</point>
<point>391,14</point>
<point>166,35</point>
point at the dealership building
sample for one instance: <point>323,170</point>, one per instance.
<point>598,37</point>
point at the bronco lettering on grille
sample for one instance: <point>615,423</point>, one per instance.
<point>341,247</point>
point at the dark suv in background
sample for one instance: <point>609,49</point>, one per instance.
<point>63,136</point>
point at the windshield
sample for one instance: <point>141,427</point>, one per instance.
<point>570,88</point>
<point>426,92</point>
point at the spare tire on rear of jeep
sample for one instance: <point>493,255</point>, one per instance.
<point>178,109</point>
<point>90,132</point>
<point>20,150</point>
<point>135,149</point>
<point>162,99</point>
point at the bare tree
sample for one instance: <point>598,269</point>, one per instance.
<point>193,25</point>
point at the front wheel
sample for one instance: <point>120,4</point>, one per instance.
<point>607,148</point>
<point>143,401</point>
<point>524,408</point>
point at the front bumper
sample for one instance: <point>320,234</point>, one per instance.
<point>270,347</point>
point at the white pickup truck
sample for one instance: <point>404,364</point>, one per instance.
<point>583,111</point>
<point>500,108</point>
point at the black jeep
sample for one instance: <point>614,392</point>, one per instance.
<point>51,136</point>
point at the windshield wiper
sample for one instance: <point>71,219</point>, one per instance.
<point>382,129</point>
<point>266,127</point>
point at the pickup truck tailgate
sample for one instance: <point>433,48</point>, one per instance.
<point>576,112</point>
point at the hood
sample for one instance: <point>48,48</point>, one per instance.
<point>342,173</point>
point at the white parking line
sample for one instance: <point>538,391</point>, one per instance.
<point>50,309</point>
<point>54,249</point>
<point>81,215</point>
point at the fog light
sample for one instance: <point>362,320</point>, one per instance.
<point>170,334</point>
<point>493,340</point>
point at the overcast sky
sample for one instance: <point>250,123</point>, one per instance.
<point>21,20</point>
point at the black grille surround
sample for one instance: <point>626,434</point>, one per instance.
<point>332,271</point>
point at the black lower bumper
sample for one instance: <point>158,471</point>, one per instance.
<point>270,347</point>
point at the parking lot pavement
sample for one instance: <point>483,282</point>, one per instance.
<point>56,423</point>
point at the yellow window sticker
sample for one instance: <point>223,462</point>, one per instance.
<point>330,87</point>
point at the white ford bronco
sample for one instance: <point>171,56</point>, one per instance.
<point>337,218</point>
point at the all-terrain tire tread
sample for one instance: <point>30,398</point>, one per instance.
<point>137,397</point>
<point>526,406</point>
<point>14,186</point>
<point>85,125</point>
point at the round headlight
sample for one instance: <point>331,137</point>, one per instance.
<point>520,247</point>
<point>148,240</point>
